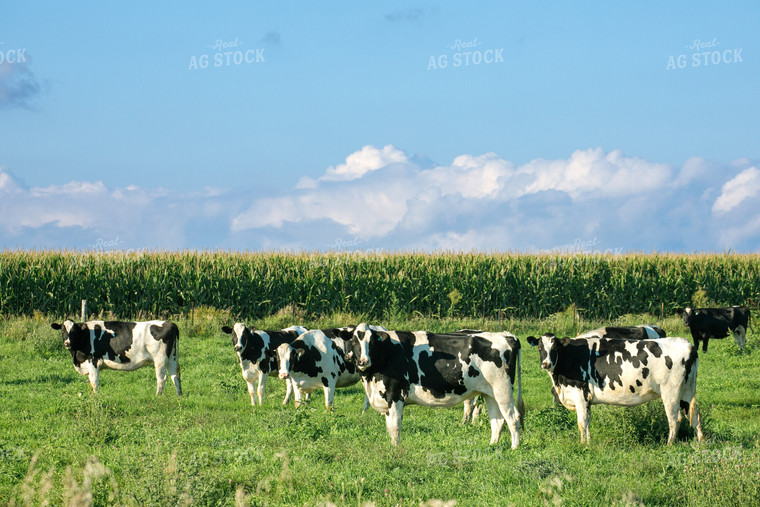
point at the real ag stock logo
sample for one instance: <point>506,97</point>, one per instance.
<point>704,54</point>
<point>226,54</point>
<point>12,55</point>
<point>465,54</point>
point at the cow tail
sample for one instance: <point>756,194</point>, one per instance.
<point>749,321</point>
<point>692,409</point>
<point>176,347</point>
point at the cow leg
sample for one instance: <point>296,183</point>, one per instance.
<point>469,407</point>
<point>496,418</point>
<point>173,369</point>
<point>329,397</point>
<point>366,403</point>
<point>160,367</point>
<point>475,411</point>
<point>704,344</point>
<point>672,409</point>
<point>251,391</point>
<point>93,373</point>
<point>583,412</point>
<point>298,395</point>
<point>261,391</point>
<point>740,337</point>
<point>471,411</point>
<point>505,399</point>
<point>393,421</point>
<point>288,390</point>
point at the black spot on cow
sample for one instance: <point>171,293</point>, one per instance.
<point>690,362</point>
<point>644,373</point>
<point>632,389</point>
<point>167,333</point>
<point>638,383</point>
<point>481,347</point>
<point>325,382</point>
<point>472,371</point>
<point>668,362</point>
<point>306,359</point>
<point>441,373</point>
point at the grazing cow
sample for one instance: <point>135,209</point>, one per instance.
<point>706,323</point>
<point>590,371</point>
<point>252,346</point>
<point>127,346</point>
<point>401,368</point>
<point>626,332</point>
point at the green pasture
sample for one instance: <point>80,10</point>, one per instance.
<point>62,445</point>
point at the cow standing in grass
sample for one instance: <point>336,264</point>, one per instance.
<point>253,347</point>
<point>126,346</point>
<point>706,323</point>
<point>590,371</point>
<point>314,360</point>
<point>401,368</point>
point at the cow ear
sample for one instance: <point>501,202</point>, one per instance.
<point>227,329</point>
<point>56,326</point>
<point>532,340</point>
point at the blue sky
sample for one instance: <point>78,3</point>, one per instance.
<point>604,126</point>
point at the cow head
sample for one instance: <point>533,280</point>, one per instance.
<point>360,345</point>
<point>73,335</point>
<point>687,314</point>
<point>286,355</point>
<point>245,341</point>
<point>548,346</point>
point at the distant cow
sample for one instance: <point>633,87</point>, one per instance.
<point>127,346</point>
<point>401,368</point>
<point>590,371</point>
<point>706,323</point>
<point>251,346</point>
<point>643,332</point>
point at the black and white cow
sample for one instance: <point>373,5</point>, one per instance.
<point>706,323</point>
<point>113,345</point>
<point>315,360</point>
<point>591,371</point>
<point>253,348</point>
<point>401,368</point>
<point>643,332</point>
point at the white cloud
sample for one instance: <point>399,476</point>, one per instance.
<point>745,185</point>
<point>594,173</point>
<point>363,161</point>
<point>383,198</point>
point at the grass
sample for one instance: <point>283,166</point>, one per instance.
<point>62,445</point>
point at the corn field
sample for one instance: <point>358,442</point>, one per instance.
<point>254,285</point>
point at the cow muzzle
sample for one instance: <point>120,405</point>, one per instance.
<point>238,348</point>
<point>283,375</point>
<point>363,364</point>
<point>67,344</point>
<point>546,365</point>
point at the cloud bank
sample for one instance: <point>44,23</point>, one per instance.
<point>383,198</point>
